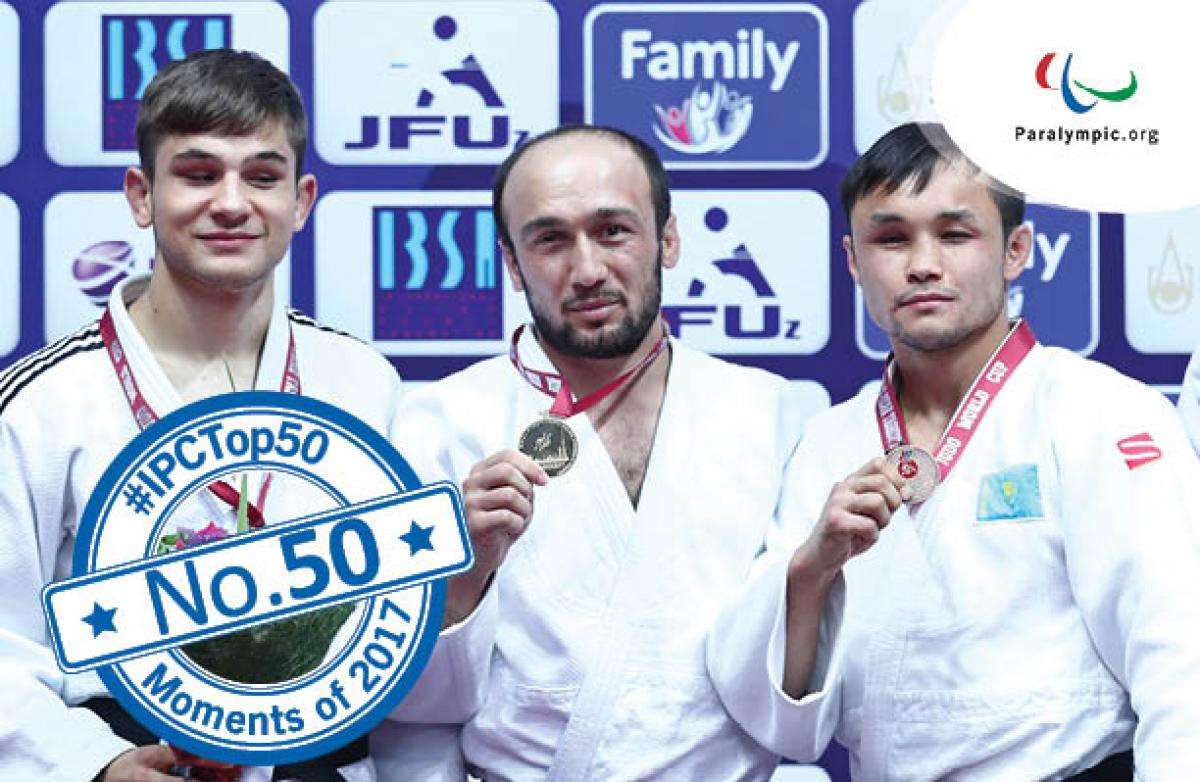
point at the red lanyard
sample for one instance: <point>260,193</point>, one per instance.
<point>971,409</point>
<point>144,414</point>
<point>551,384</point>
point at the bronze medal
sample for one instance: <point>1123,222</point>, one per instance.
<point>917,469</point>
<point>550,442</point>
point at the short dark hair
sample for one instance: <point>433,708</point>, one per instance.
<point>219,91</point>
<point>660,189</point>
<point>908,155</point>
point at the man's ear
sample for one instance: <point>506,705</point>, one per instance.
<point>1017,250</point>
<point>137,193</point>
<point>306,196</point>
<point>671,243</point>
<point>851,261</point>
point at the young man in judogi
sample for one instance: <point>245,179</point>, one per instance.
<point>619,487</point>
<point>221,136</point>
<point>1009,559</point>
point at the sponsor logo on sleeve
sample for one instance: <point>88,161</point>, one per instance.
<point>1139,449</point>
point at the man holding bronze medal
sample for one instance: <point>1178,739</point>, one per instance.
<point>1010,573</point>
<point>618,485</point>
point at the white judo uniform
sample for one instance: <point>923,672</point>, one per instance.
<point>63,417</point>
<point>1034,616</point>
<point>1189,400</point>
<point>587,652</point>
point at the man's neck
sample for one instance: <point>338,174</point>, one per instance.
<point>589,374</point>
<point>931,384</point>
<point>191,329</point>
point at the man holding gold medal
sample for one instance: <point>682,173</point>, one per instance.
<point>1011,571</point>
<point>619,487</point>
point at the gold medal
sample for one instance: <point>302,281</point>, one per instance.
<point>917,469</point>
<point>550,442</point>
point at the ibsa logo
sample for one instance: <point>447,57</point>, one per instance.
<point>134,49</point>
<point>462,82</point>
<point>435,284</point>
<point>695,77</point>
<point>100,57</point>
<point>1058,293</point>
<point>1066,84</point>
<point>436,274</point>
<point>743,288</point>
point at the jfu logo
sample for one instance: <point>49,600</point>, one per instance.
<point>705,82</point>
<point>488,127</point>
<point>436,274</point>
<point>1058,293</point>
<point>135,48</point>
<point>763,319</point>
<point>742,289</point>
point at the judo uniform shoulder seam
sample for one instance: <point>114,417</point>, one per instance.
<point>14,379</point>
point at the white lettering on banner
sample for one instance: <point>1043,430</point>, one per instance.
<point>748,58</point>
<point>971,410</point>
<point>1052,253</point>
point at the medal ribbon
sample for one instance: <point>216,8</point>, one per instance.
<point>551,384</point>
<point>971,409</point>
<point>144,414</point>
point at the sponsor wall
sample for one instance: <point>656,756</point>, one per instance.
<point>756,107</point>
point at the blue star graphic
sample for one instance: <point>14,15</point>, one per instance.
<point>101,620</point>
<point>417,538</point>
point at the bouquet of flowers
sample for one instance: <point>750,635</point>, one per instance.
<point>268,653</point>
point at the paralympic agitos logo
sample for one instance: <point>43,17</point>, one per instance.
<point>1066,82</point>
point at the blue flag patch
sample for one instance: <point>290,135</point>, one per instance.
<point>1011,493</point>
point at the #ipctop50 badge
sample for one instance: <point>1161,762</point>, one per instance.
<point>263,637</point>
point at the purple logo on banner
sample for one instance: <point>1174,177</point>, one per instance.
<point>717,87</point>
<point>436,274</point>
<point>134,49</point>
<point>99,267</point>
<point>1058,293</point>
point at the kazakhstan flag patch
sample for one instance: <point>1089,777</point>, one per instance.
<point>1011,493</point>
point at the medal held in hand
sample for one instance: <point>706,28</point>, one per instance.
<point>550,442</point>
<point>920,470</point>
<point>916,468</point>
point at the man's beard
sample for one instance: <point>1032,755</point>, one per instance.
<point>621,341</point>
